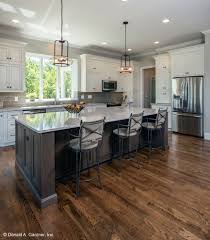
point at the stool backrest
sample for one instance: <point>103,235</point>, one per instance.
<point>161,117</point>
<point>91,131</point>
<point>135,122</point>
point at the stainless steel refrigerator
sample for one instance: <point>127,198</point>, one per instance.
<point>187,114</point>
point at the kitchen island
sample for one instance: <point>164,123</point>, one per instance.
<point>41,139</point>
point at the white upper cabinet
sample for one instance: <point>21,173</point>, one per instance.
<point>187,61</point>
<point>163,79</point>
<point>15,77</point>
<point>15,54</point>
<point>12,66</point>
<point>94,69</point>
<point>3,54</point>
<point>3,77</point>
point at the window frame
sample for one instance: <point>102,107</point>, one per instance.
<point>75,80</point>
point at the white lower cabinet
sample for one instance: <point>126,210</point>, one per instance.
<point>7,127</point>
<point>159,106</point>
<point>2,128</point>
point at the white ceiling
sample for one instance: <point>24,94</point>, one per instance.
<point>91,22</point>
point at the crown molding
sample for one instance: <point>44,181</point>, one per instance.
<point>168,48</point>
<point>9,32</point>
<point>205,32</point>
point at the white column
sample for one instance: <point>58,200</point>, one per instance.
<point>207,86</point>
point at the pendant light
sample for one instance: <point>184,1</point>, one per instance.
<point>125,59</point>
<point>61,47</point>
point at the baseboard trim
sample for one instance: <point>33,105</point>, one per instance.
<point>207,136</point>
<point>41,202</point>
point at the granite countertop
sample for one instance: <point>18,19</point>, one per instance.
<point>7,109</point>
<point>55,121</point>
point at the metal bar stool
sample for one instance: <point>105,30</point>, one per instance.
<point>155,125</point>
<point>88,141</point>
<point>125,132</point>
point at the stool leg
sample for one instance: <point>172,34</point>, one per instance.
<point>162,133</point>
<point>129,147</point>
<point>98,169</point>
<point>78,169</point>
<point>150,142</point>
<point>88,163</point>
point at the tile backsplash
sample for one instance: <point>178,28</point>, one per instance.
<point>18,99</point>
<point>12,99</point>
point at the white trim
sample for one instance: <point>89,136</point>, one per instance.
<point>206,32</point>
<point>168,48</point>
<point>9,42</point>
<point>207,136</point>
<point>141,84</point>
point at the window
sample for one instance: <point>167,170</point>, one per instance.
<point>44,81</point>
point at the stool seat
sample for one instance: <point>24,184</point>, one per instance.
<point>123,132</point>
<point>150,125</point>
<point>74,144</point>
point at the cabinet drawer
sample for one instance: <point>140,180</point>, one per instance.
<point>12,115</point>
<point>11,124</point>
<point>11,136</point>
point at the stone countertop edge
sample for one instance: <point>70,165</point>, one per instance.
<point>8,109</point>
<point>113,117</point>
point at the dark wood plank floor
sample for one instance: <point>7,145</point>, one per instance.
<point>168,198</point>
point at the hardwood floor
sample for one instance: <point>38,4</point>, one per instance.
<point>167,198</point>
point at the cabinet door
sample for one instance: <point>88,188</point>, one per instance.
<point>2,128</point>
<point>188,62</point>
<point>125,84</point>
<point>94,82</point>
<point>15,79</point>
<point>4,77</point>
<point>15,54</point>
<point>163,92</point>
<point>3,54</point>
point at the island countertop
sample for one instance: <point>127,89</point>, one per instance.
<point>56,121</point>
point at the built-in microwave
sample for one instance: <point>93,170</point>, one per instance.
<point>108,86</point>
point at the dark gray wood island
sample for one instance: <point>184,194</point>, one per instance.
<point>41,140</point>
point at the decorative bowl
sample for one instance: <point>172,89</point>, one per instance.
<point>74,108</point>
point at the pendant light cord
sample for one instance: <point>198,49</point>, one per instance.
<point>125,39</point>
<point>62,20</point>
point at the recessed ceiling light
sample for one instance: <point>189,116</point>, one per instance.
<point>165,20</point>
<point>15,21</point>
<point>27,13</point>
<point>156,42</point>
<point>104,43</point>
<point>124,0</point>
<point>130,49</point>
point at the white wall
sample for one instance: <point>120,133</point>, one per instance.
<point>207,87</point>
<point>137,90</point>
